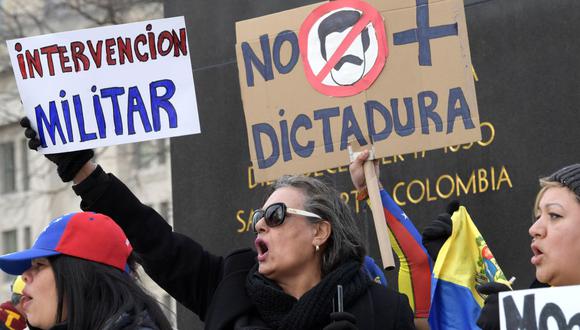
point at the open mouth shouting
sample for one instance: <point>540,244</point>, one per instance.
<point>262,248</point>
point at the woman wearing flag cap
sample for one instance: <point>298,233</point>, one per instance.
<point>77,275</point>
<point>307,246</point>
<point>555,239</point>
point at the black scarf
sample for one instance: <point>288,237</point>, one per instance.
<point>283,312</point>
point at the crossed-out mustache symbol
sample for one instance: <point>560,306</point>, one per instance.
<point>350,59</point>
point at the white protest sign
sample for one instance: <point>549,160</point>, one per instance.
<point>554,308</point>
<point>108,85</point>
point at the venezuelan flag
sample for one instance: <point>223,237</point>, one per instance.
<point>463,262</point>
<point>414,263</point>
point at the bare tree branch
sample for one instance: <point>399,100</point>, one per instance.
<point>80,9</point>
<point>20,19</point>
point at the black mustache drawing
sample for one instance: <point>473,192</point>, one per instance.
<point>348,58</point>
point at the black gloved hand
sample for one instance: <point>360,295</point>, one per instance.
<point>489,316</point>
<point>436,233</point>
<point>439,230</point>
<point>68,163</point>
<point>341,321</point>
<point>453,206</point>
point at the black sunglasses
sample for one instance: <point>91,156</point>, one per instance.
<point>275,214</point>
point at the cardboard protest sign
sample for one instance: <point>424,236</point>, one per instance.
<point>108,85</point>
<point>547,308</point>
<point>397,73</point>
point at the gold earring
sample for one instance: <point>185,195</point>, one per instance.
<point>317,248</point>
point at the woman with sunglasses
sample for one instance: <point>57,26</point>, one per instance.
<point>307,246</point>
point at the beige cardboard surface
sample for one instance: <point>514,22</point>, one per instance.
<point>275,104</point>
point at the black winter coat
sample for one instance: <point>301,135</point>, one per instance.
<point>211,286</point>
<point>124,322</point>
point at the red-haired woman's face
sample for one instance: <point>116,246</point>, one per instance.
<point>556,238</point>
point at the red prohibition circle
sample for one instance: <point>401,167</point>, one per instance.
<point>369,15</point>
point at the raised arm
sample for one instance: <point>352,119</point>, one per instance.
<point>357,174</point>
<point>414,273</point>
<point>177,263</point>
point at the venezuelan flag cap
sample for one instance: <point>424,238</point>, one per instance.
<point>86,235</point>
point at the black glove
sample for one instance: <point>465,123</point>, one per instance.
<point>341,321</point>
<point>453,206</point>
<point>68,163</point>
<point>489,316</point>
<point>439,230</point>
<point>436,233</point>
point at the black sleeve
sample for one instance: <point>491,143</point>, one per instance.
<point>405,320</point>
<point>175,262</point>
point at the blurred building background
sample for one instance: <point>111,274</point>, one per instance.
<point>31,194</point>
